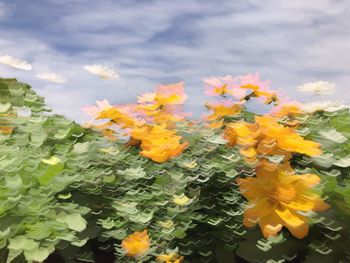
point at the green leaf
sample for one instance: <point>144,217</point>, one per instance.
<point>74,221</point>
<point>4,107</point>
<point>22,243</point>
<point>51,172</point>
<point>80,148</point>
<point>39,254</point>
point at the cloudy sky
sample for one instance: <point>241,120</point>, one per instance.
<point>150,42</point>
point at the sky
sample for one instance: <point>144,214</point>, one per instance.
<point>152,42</point>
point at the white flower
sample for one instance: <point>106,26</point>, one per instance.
<point>15,63</point>
<point>317,88</point>
<point>333,135</point>
<point>102,71</point>
<point>330,106</point>
<point>52,77</point>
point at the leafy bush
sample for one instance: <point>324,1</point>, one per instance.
<point>149,184</point>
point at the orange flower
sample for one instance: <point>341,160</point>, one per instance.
<point>267,137</point>
<point>120,116</point>
<point>244,134</point>
<point>223,109</point>
<point>159,143</point>
<point>6,129</point>
<point>216,124</point>
<point>5,124</point>
<point>286,137</point>
<point>279,198</point>
<point>136,244</point>
<point>286,110</point>
<point>171,94</point>
<point>164,105</point>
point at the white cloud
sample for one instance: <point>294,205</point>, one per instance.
<point>15,63</point>
<point>102,71</point>
<point>52,77</point>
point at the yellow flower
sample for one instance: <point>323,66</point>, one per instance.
<point>171,94</point>
<point>221,110</point>
<point>136,244</point>
<point>276,198</point>
<point>164,105</point>
<point>221,90</point>
<point>181,200</point>
<point>287,110</point>
<point>167,223</point>
<point>286,137</point>
<point>170,258</point>
<point>159,143</point>
<point>119,116</point>
<point>52,161</point>
<point>244,134</point>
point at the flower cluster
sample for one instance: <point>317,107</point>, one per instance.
<point>277,196</point>
<point>150,123</point>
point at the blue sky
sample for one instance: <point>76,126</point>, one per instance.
<point>151,42</point>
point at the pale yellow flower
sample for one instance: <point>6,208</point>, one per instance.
<point>51,161</point>
<point>181,200</point>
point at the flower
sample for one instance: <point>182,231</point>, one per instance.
<point>170,258</point>
<point>52,161</point>
<point>317,88</point>
<point>102,71</point>
<point>158,143</point>
<point>286,107</point>
<point>330,106</point>
<point>286,138</point>
<point>94,111</point>
<point>121,115</point>
<point>15,63</point>
<point>277,198</point>
<point>171,94</point>
<point>267,137</point>
<point>253,80</point>
<point>52,77</point>
<point>221,86</point>
<point>136,244</point>
<point>181,200</point>
<point>164,105</point>
<point>6,129</point>
<point>260,89</point>
<point>223,109</point>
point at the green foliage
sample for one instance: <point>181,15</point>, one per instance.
<point>63,186</point>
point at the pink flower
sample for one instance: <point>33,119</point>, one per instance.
<point>94,111</point>
<point>254,79</point>
<point>171,94</point>
<point>227,85</point>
